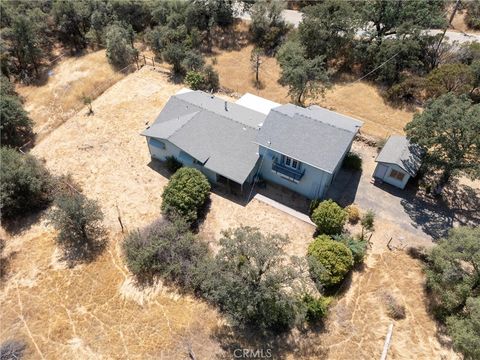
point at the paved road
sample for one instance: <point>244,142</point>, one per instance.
<point>295,18</point>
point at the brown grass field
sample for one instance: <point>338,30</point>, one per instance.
<point>61,96</point>
<point>360,100</point>
<point>94,311</point>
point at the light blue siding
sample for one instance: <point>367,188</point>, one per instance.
<point>171,150</point>
<point>313,184</point>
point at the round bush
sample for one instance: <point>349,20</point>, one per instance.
<point>185,194</point>
<point>329,217</point>
<point>329,261</point>
<point>316,307</point>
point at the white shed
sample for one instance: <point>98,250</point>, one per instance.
<point>398,161</point>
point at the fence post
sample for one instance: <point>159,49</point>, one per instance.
<point>144,60</point>
<point>153,61</point>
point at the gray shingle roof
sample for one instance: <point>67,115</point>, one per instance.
<point>223,140</point>
<point>313,135</point>
<point>399,151</point>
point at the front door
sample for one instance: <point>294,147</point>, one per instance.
<point>381,171</point>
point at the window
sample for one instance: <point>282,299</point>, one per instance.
<point>291,163</point>
<point>397,175</point>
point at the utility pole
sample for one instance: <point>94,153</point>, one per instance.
<point>457,5</point>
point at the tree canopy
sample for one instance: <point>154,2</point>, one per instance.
<point>304,77</point>
<point>453,279</point>
<point>449,131</point>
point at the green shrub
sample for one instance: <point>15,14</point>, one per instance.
<point>172,164</point>
<point>81,234</point>
<point>195,80</point>
<point>168,249</point>
<point>353,214</point>
<point>329,217</point>
<point>357,247</point>
<point>313,205</point>
<point>25,184</point>
<point>15,125</point>
<point>352,161</point>
<point>316,307</point>
<point>186,193</point>
<point>329,261</point>
<point>368,221</point>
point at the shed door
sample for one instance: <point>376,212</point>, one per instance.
<point>381,171</point>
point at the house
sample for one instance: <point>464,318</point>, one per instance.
<point>299,148</point>
<point>398,161</point>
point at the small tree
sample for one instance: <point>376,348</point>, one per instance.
<point>455,78</point>
<point>329,261</point>
<point>453,271</point>
<point>268,27</point>
<point>329,217</point>
<point>186,193</point>
<point>304,77</point>
<point>368,223</point>
<point>15,126</point>
<point>255,62</point>
<point>212,81</point>
<point>448,130</point>
<point>357,247</point>
<point>120,50</point>
<point>78,220</point>
<point>193,61</point>
<point>253,281</point>
<point>25,184</point>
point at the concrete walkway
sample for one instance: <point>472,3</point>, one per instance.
<point>284,208</point>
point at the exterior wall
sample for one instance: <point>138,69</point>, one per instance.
<point>389,180</point>
<point>339,165</point>
<point>313,184</point>
<point>184,158</point>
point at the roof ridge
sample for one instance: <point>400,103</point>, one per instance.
<point>325,123</point>
<point>220,114</point>
<point>192,115</point>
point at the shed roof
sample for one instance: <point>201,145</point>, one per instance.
<point>218,133</point>
<point>399,151</point>
<point>315,136</point>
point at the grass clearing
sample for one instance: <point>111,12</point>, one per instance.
<point>361,100</point>
<point>51,104</point>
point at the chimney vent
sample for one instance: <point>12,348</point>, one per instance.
<point>226,107</point>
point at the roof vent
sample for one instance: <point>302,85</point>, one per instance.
<point>226,106</point>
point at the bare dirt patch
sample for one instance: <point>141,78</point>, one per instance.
<point>56,101</point>
<point>360,100</point>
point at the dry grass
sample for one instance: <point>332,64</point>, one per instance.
<point>71,78</point>
<point>94,311</point>
<point>360,100</point>
<point>90,312</point>
<point>358,325</point>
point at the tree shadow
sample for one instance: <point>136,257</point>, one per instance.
<point>247,342</point>
<point>18,224</point>
<point>435,216</point>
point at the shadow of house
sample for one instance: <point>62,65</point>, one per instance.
<point>435,216</point>
<point>345,186</point>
